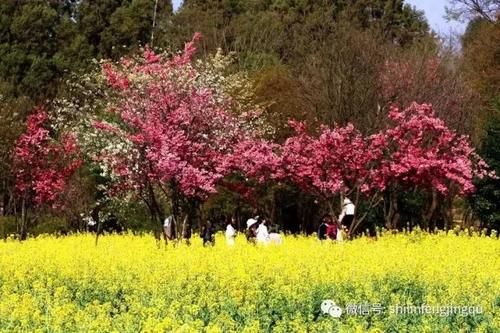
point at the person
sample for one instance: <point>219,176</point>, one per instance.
<point>186,231</point>
<point>275,238</point>
<point>251,232</point>
<point>230,232</point>
<point>331,228</point>
<point>91,223</point>
<point>207,234</point>
<point>340,234</point>
<point>347,215</point>
<point>111,224</point>
<point>322,228</point>
<point>169,227</point>
<point>274,235</point>
<point>262,234</point>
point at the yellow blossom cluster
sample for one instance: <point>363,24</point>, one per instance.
<point>127,283</point>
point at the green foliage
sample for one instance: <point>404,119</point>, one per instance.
<point>284,27</point>
<point>41,42</point>
<point>486,201</point>
<point>44,43</point>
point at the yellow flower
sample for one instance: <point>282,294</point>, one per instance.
<point>128,284</point>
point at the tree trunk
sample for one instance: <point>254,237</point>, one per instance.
<point>427,216</point>
<point>156,213</point>
<point>354,225</point>
<point>331,211</point>
<point>23,233</point>
<point>98,230</point>
<point>94,215</point>
<point>391,213</point>
<point>448,213</point>
<point>3,221</point>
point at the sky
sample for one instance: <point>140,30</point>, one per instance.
<point>434,11</point>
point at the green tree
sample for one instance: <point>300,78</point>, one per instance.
<point>43,42</point>
<point>486,201</point>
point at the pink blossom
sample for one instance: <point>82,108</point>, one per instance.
<point>43,165</point>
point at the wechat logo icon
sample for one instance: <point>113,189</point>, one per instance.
<point>329,307</point>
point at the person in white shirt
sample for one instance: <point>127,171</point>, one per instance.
<point>230,233</point>
<point>262,233</point>
<point>347,215</point>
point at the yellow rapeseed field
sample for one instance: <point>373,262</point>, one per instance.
<point>128,284</point>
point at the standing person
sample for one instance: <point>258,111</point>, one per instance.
<point>347,215</point>
<point>207,234</point>
<point>331,228</point>
<point>230,232</point>
<point>169,227</point>
<point>322,228</point>
<point>262,234</point>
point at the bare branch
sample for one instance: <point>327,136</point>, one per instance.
<point>469,9</point>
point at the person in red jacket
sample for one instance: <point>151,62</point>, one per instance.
<point>331,228</point>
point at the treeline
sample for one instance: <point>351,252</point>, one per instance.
<point>323,62</point>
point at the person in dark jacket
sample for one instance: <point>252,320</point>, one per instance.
<point>322,227</point>
<point>207,234</point>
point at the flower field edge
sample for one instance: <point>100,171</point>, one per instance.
<point>128,284</point>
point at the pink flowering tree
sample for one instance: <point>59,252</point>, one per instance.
<point>42,166</point>
<point>338,162</point>
<point>170,129</point>
<point>417,152</point>
<point>422,153</point>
